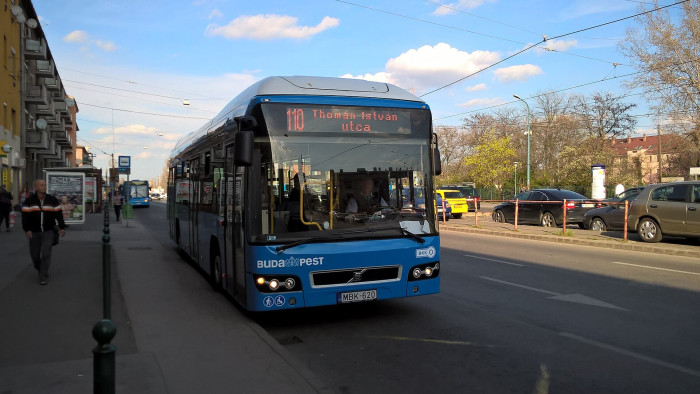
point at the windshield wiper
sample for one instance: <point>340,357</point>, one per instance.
<point>292,244</point>
<point>415,237</point>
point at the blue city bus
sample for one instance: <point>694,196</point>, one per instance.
<point>260,196</point>
<point>138,193</point>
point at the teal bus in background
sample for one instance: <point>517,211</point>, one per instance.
<point>137,193</point>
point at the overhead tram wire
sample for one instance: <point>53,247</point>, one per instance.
<point>141,99</point>
<point>145,113</point>
<point>477,33</point>
<point>563,90</point>
<point>545,39</point>
<point>189,94</point>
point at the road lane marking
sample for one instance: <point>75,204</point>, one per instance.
<point>446,342</point>
<point>575,298</point>
<point>521,286</point>
<point>657,268</point>
<point>631,354</point>
<point>496,261</point>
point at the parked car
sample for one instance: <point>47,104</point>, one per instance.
<point>666,209</point>
<point>470,193</point>
<point>544,207</point>
<point>610,217</point>
<point>456,200</point>
<point>448,208</point>
<point>633,191</point>
<point>419,198</point>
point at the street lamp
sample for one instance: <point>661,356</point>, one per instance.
<point>528,139</point>
<point>515,179</point>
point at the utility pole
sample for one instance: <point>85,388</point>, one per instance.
<point>658,137</point>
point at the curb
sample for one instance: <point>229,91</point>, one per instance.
<point>610,244</point>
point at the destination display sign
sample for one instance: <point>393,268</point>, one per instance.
<point>303,118</point>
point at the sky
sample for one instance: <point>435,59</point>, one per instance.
<point>131,65</point>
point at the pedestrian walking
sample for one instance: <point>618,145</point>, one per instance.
<point>40,215</point>
<point>5,206</point>
<point>117,202</point>
<point>23,195</point>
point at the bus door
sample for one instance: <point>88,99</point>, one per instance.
<point>194,206</point>
<point>235,190</point>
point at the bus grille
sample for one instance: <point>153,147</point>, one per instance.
<point>355,275</point>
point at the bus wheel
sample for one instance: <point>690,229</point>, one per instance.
<point>215,273</point>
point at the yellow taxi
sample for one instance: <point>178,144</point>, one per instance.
<point>456,200</point>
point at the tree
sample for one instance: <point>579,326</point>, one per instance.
<point>667,56</point>
<point>453,148</point>
<point>491,164</point>
<point>606,116</point>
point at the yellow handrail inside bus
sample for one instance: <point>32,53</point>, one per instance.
<point>301,208</point>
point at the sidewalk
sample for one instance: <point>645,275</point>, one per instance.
<point>168,340</point>
<point>608,239</point>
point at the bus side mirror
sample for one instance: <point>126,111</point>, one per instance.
<point>436,156</point>
<point>243,148</point>
<point>438,162</point>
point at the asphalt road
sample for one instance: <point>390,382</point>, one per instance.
<point>515,316</point>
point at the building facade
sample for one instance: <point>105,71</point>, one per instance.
<point>38,129</point>
<point>10,97</point>
<point>645,152</point>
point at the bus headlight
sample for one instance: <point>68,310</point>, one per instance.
<point>277,283</point>
<point>417,272</point>
<point>289,283</point>
<point>425,271</point>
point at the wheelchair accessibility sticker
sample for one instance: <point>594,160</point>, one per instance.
<point>271,301</point>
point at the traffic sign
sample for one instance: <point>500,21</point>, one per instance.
<point>124,162</point>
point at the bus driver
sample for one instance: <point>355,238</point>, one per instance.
<point>362,200</point>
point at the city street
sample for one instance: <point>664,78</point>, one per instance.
<point>512,316</point>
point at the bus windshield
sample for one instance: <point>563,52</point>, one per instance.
<point>362,173</point>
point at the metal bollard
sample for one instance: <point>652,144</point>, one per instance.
<point>563,232</point>
<point>515,228</point>
<point>104,330</point>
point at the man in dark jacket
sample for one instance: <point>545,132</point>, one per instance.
<point>5,206</point>
<point>40,214</point>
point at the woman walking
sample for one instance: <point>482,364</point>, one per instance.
<point>117,202</point>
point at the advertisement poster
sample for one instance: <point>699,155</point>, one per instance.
<point>90,189</point>
<point>69,188</point>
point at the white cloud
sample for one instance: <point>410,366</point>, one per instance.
<point>553,45</point>
<point>76,36</point>
<point>269,27</point>
<point>475,88</point>
<point>378,77</point>
<point>430,66</point>
<point>517,73</point>
<point>216,14</point>
<point>482,102</point>
<point>452,8</point>
<point>107,46</point>
<point>82,37</point>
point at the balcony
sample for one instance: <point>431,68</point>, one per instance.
<point>52,84</point>
<point>47,111</point>
<point>59,104</point>
<point>35,49</point>
<point>45,68</point>
<point>36,95</point>
<point>37,141</point>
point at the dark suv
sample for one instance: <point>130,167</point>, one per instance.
<point>666,209</point>
<point>472,195</point>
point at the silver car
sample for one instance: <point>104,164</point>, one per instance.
<point>666,209</point>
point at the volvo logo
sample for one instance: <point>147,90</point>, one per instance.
<point>357,276</point>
